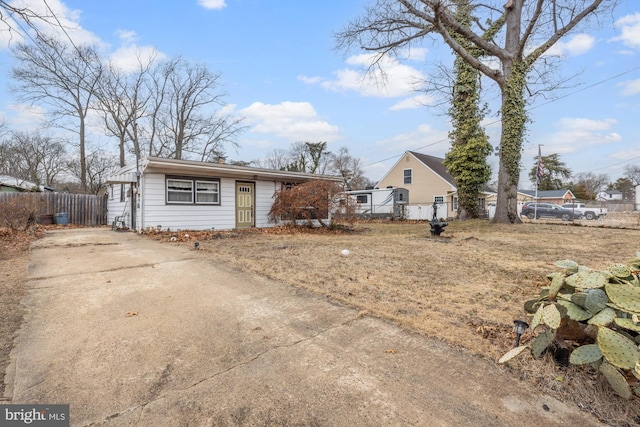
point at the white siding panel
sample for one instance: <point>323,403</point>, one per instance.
<point>264,199</point>
<point>117,208</point>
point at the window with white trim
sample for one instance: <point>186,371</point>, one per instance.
<point>439,200</point>
<point>189,191</point>
<point>207,192</point>
<point>179,191</point>
<point>455,203</point>
<point>407,176</point>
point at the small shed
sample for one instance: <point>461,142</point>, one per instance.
<point>189,195</point>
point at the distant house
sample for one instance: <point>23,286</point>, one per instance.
<point>14,185</point>
<point>557,197</point>
<point>609,195</point>
<point>428,183</point>
<point>189,195</point>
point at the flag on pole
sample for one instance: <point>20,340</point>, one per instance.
<point>540,172</point>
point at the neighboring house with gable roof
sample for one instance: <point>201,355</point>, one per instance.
<point>428,182</point>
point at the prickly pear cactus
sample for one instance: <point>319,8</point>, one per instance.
<point>619,350</point>
<point>617,381</point>
<point>608,299</point>
<point>586,354</point>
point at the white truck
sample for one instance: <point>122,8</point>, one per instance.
<point>587,212</point>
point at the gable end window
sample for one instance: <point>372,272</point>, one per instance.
<point>407,176</point>
<point>189,191</point>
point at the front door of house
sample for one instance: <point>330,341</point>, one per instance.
<point>244,204</point>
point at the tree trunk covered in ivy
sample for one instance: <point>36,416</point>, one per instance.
<point>467,159</point>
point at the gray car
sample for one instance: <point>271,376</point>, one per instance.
<point>548,210</point>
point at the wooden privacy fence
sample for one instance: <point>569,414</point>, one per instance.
<point>82,209</point>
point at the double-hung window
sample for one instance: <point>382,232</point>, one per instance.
<point>208,192</point>
<point>407,176</point>
<point>179,191</point>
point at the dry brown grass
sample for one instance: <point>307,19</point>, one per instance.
<point>465,287</point>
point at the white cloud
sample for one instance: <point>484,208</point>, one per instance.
<point>574,134</point>
<point>574,46</point>
<point>629,27</point>
<point>23,116</point>
<point>414,102</point>
<point>424,138</point>
<point>630,87</point>
<point>212,4</point>
<point>292,121</point>
<point>129,56</point>
<point>390,79</point>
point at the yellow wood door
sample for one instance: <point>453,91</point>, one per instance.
<point>244,204</point>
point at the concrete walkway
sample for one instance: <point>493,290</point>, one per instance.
<point>130,331</point>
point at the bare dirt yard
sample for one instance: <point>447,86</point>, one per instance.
<point>465,287</point>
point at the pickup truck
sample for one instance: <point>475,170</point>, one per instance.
<point>588,213</point>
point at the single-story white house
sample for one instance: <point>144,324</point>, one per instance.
<point>189,195</point>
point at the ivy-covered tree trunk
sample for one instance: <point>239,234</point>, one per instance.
<point>467,159</point>
<point>514,118</point>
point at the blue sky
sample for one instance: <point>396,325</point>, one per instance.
<point>281,72</point>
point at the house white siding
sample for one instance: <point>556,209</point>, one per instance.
<point>115,207</point>
<point>264,199</point>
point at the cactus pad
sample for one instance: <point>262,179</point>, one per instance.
<point>557,280</point>
<point>596,300</point>
<point>541,342</point>
<point>619,350</point>
<point>620,270</point>
<point>531,306</point>
<point>585,354</point>
<point>537,319</point>
<point>574,311</point>
<point>579,298</point>
<point>603,318</point>
<point>552,316</point>
<point>627,297</point>
<point>616,380</point>
<point>568,265</point>
<point>627,324</point>
<point>586,280</point>
<point>512,353</point>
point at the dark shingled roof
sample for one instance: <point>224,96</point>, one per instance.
<point>545,194</point>
<point>436,164</point>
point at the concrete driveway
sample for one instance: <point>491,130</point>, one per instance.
<point>130,331</point>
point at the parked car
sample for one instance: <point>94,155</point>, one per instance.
<point>548,210</point>
<point>588,213</point>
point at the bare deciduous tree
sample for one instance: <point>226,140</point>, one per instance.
<point>122,100</point>
<point>99,166</point>
<point>32,157</point>
<point>62,77</point>
<point>632,172</point>
<point>530,29</point>
<point>183,116</point>
<point>349,168</point>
